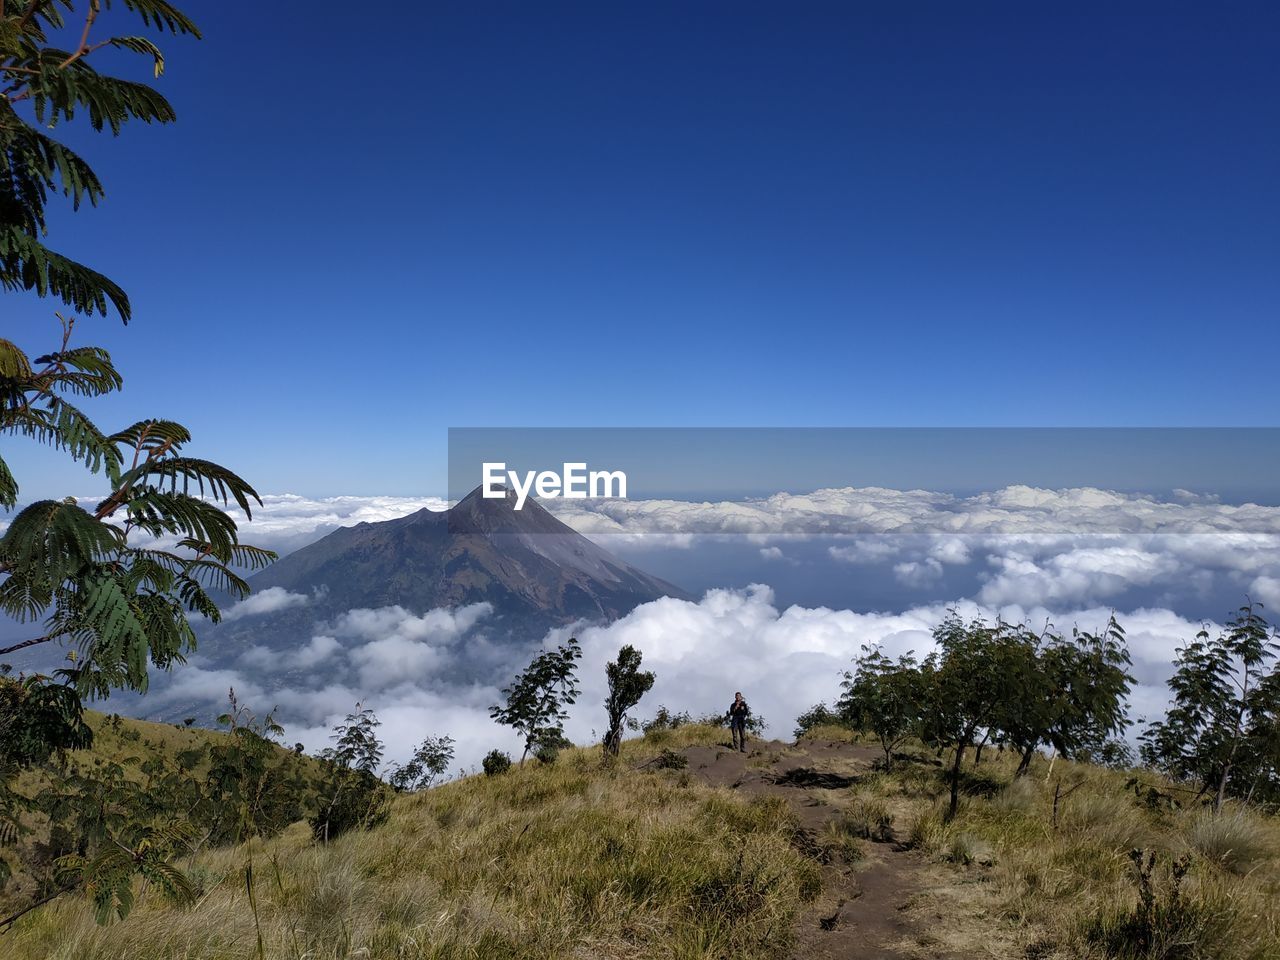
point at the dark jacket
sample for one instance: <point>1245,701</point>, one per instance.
<point>738,712</point>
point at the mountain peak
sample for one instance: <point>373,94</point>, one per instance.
<point>534,569</point>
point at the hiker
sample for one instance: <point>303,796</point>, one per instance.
<point>738,713</point>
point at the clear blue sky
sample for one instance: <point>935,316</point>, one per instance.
<point>366,228</point>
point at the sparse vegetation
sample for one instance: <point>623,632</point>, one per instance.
<point>547,861</point>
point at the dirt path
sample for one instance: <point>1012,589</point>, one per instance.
<point>863,911</point>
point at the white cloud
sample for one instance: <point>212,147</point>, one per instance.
<point>1017,510</point>
<point>918,573</point>
<point>1073,576</point>
<point>867,551</point>
<point>311,654</point>
<point>784,660</point>
<point>1266,590</point>
<point>269,600</point>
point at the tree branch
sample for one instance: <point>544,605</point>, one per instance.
<point>24,645</point>
<point>83,47</point>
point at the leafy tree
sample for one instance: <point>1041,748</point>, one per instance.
<point>537,701</point>
<point>75,569</point>
<point>254,787</point>
<point>885,697</point>
<point>429,761</point>
<point>1221,731</point>
<point>1071,693</point>
<point>37,720</point>
<point>354,796</point>
<point>967,682</point>
<point>627,684</point>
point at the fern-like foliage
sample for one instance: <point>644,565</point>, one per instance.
<point>42,86</point>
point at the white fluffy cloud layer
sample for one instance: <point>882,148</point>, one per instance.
<point>286,521</point>
<point>784,660</point>
<point>269,600</point>
<point>1016,510</point>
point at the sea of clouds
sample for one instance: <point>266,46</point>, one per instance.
<point>1060,557</point>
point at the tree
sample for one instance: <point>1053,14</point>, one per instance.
<point>429,761</point>
<point>967,682</point>
<point>1067,692</point>
<point>355,797</point>
<point>885,697</point>
<point>1221,731</point>
<point>627,684</point>
<point>77,569</point>
<point>536,701</point>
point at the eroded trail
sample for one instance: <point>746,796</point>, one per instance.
<point>865,909</point>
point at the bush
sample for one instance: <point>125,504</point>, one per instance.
<point>495,762</point>
<point>546,752</point>
<point>819,715</point>
<point>664,719</point>
<point>670,760</point>
<point>358,800</point>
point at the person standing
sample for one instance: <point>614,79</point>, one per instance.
<point>738,713</point>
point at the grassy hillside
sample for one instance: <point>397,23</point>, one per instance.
<point>796,850</point>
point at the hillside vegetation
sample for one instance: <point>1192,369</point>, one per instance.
<point>681,848</point>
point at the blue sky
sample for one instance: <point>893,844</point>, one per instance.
<point>364,230</point>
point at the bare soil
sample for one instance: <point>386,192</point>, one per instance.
<point>865,910</point>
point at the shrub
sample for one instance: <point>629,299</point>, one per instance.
<point>669,760</point>
<point>664,719</point>
<point>358,801</point>
<point>546,752</point>
<point>495,762</point>
<point>819,715</point>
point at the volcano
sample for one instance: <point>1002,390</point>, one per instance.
<point>535,570</point>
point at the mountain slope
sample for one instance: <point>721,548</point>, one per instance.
<point>529,565</point>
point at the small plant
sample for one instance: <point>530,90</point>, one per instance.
<point>428,763</point>
<point>669,760</point>
<point>870,819</point>
<point>495,762</point>
<point>1165,922</point>
<point>664,719</point>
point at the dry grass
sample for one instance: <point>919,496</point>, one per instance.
<point>1071,887</point>
<point>582,860</point>
<point>571,860</point>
